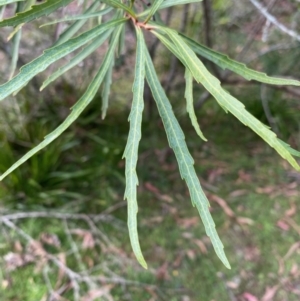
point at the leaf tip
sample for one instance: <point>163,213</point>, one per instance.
<point>227,265</point>
<point>143,263</point>
<point>225,261</point>
<point>3,176</point>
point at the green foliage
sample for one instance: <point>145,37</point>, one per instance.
<point>131,150</point>
<point>225,100</point>
<point>185,50</point>
<point>190,103</point>
<point>185,161</point>
<point>226,63</point>
<point>36,11</point>
<point>4,2</point>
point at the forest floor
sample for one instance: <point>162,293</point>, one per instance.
<point>64,232</point>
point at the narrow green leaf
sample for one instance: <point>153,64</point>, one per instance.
<point>225,62</point>
<point>185,161</point>
<point>190,103</point>
<point>169,3</point>
<point>131,3</point>
<point>155,5</point>
<point>77,58</point>
<point>212,85</point>
<point>80,17</point>
<point>71,30</point>
<point>99,19</point>
<point>21,7</point>
<point>166,41</point>
<point>118,4</point>
<point>51,55</point>
<point>14,31</point>
<point>26,5</point>
<point>292,151</point>
<point>35,12</point>
<point>16,42</point>
<point>131,150</point>
<point>15,52</point>
<point>106,89</point>
<point>77,108</point>
<point>2,9</point>
<point>4,2</point>
<point>121,44</point>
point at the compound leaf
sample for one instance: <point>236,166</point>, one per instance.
<point>77,108</point>
<point>213,86</point>
<point>131,150</point>
<point>185,161</point>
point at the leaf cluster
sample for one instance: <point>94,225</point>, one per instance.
<point>119,13</point>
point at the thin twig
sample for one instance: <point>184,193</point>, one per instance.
<point>73,276</point>
<point>208,32</point>
<point>263,10</point>
<point>87,218</point>
<point>276,47</point>
<point>256,29</point>
<point>77,255</point>
<point>114,207</point>
<point>202,99</point>
<point>11,225</point>
<point>47,281</point>
<point>207,12</point>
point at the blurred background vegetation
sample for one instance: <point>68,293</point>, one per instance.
<point>63,219</point>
